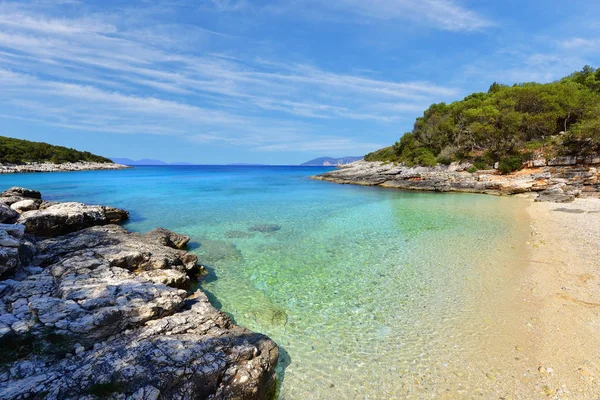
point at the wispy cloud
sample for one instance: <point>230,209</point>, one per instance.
<point>94,74</point>
<point>448,15</point>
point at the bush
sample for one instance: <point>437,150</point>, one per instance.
<point>472,169</point>
<point>505,121</point>
<point>448,155</point>
<point>510,164</point>
<point>425,157</point>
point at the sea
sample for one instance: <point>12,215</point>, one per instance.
<point>370,293</point>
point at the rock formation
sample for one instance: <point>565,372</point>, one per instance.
<point>555,183</point>
<point>100,312</point>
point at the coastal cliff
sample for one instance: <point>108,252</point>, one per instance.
<point>558,183</point>
<point>89,310</point>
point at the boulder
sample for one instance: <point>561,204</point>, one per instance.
<point>60,219</point>
<point>555,195</point>
<point>26,205</point>
<point>119,248</point>
<point>167,238</point>
<point>14,250</point>
<point>21,192</point>
<point>7,214</point>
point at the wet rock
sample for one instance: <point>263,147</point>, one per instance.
<point>60,219</point>
<point>265,228</point>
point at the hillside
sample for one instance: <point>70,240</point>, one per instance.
<point>17,151</point>
<point>329,161</point>
<point>507,124</point>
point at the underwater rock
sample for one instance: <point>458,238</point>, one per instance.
<point>264,228</point>
<point>238,235</point>
<point>213,251</point>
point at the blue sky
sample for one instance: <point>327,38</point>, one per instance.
<point>281,81</point>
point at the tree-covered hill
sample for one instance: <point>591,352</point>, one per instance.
<point>16,151</point>
<point>507,124</point>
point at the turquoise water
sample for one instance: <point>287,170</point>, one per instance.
<point>370,293</point>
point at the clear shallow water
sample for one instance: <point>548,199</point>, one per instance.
<point>371,293</point>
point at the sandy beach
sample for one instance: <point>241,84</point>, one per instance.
<point>560,289</point>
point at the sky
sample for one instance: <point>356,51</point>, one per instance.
<point>271,82</point>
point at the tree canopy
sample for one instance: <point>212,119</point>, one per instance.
<point>506,123</point>
<point>16,151</point>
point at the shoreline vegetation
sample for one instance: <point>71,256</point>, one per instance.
<point>20,156</point>
<point>89,309</point>
<point>530,137</point>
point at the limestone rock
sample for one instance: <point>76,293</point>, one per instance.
<point>119,248</point>
<point>7,214</point>
<point>167,238</point>
<point>63,218</point>
<point>197,353</point>
<point>21,192</point>
<point>555,195</point>
<point>26,205</point>
<point>102,314</point>
<point>577,178</point>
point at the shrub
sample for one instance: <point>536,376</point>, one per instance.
<point>472,169</point>
<point>448,155</point>
<point>510,164</point>
<point>425,157</point>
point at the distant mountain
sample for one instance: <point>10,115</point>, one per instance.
<point>144,161</point>
<point>330,162</point>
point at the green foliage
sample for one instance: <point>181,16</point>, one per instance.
<point>561,117</point>
<point>387,154</point>
<point>16,151</point>
<point>472,169</point>
<point>510,164</point>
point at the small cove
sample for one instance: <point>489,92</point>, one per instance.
<point>371,293</point>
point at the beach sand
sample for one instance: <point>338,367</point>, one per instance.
<point>561,293</point>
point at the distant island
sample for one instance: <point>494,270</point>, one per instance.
<point>330,162</point>
<point>17,155</point>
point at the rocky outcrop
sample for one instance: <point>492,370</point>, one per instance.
<point>51,167</point>
<point>572,181</point>
<point>63,218</point>
<point>105,313</point>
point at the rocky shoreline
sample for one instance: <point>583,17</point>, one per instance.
<point>51,167</point>
<point>89,310</point>
<point>557,183</point>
